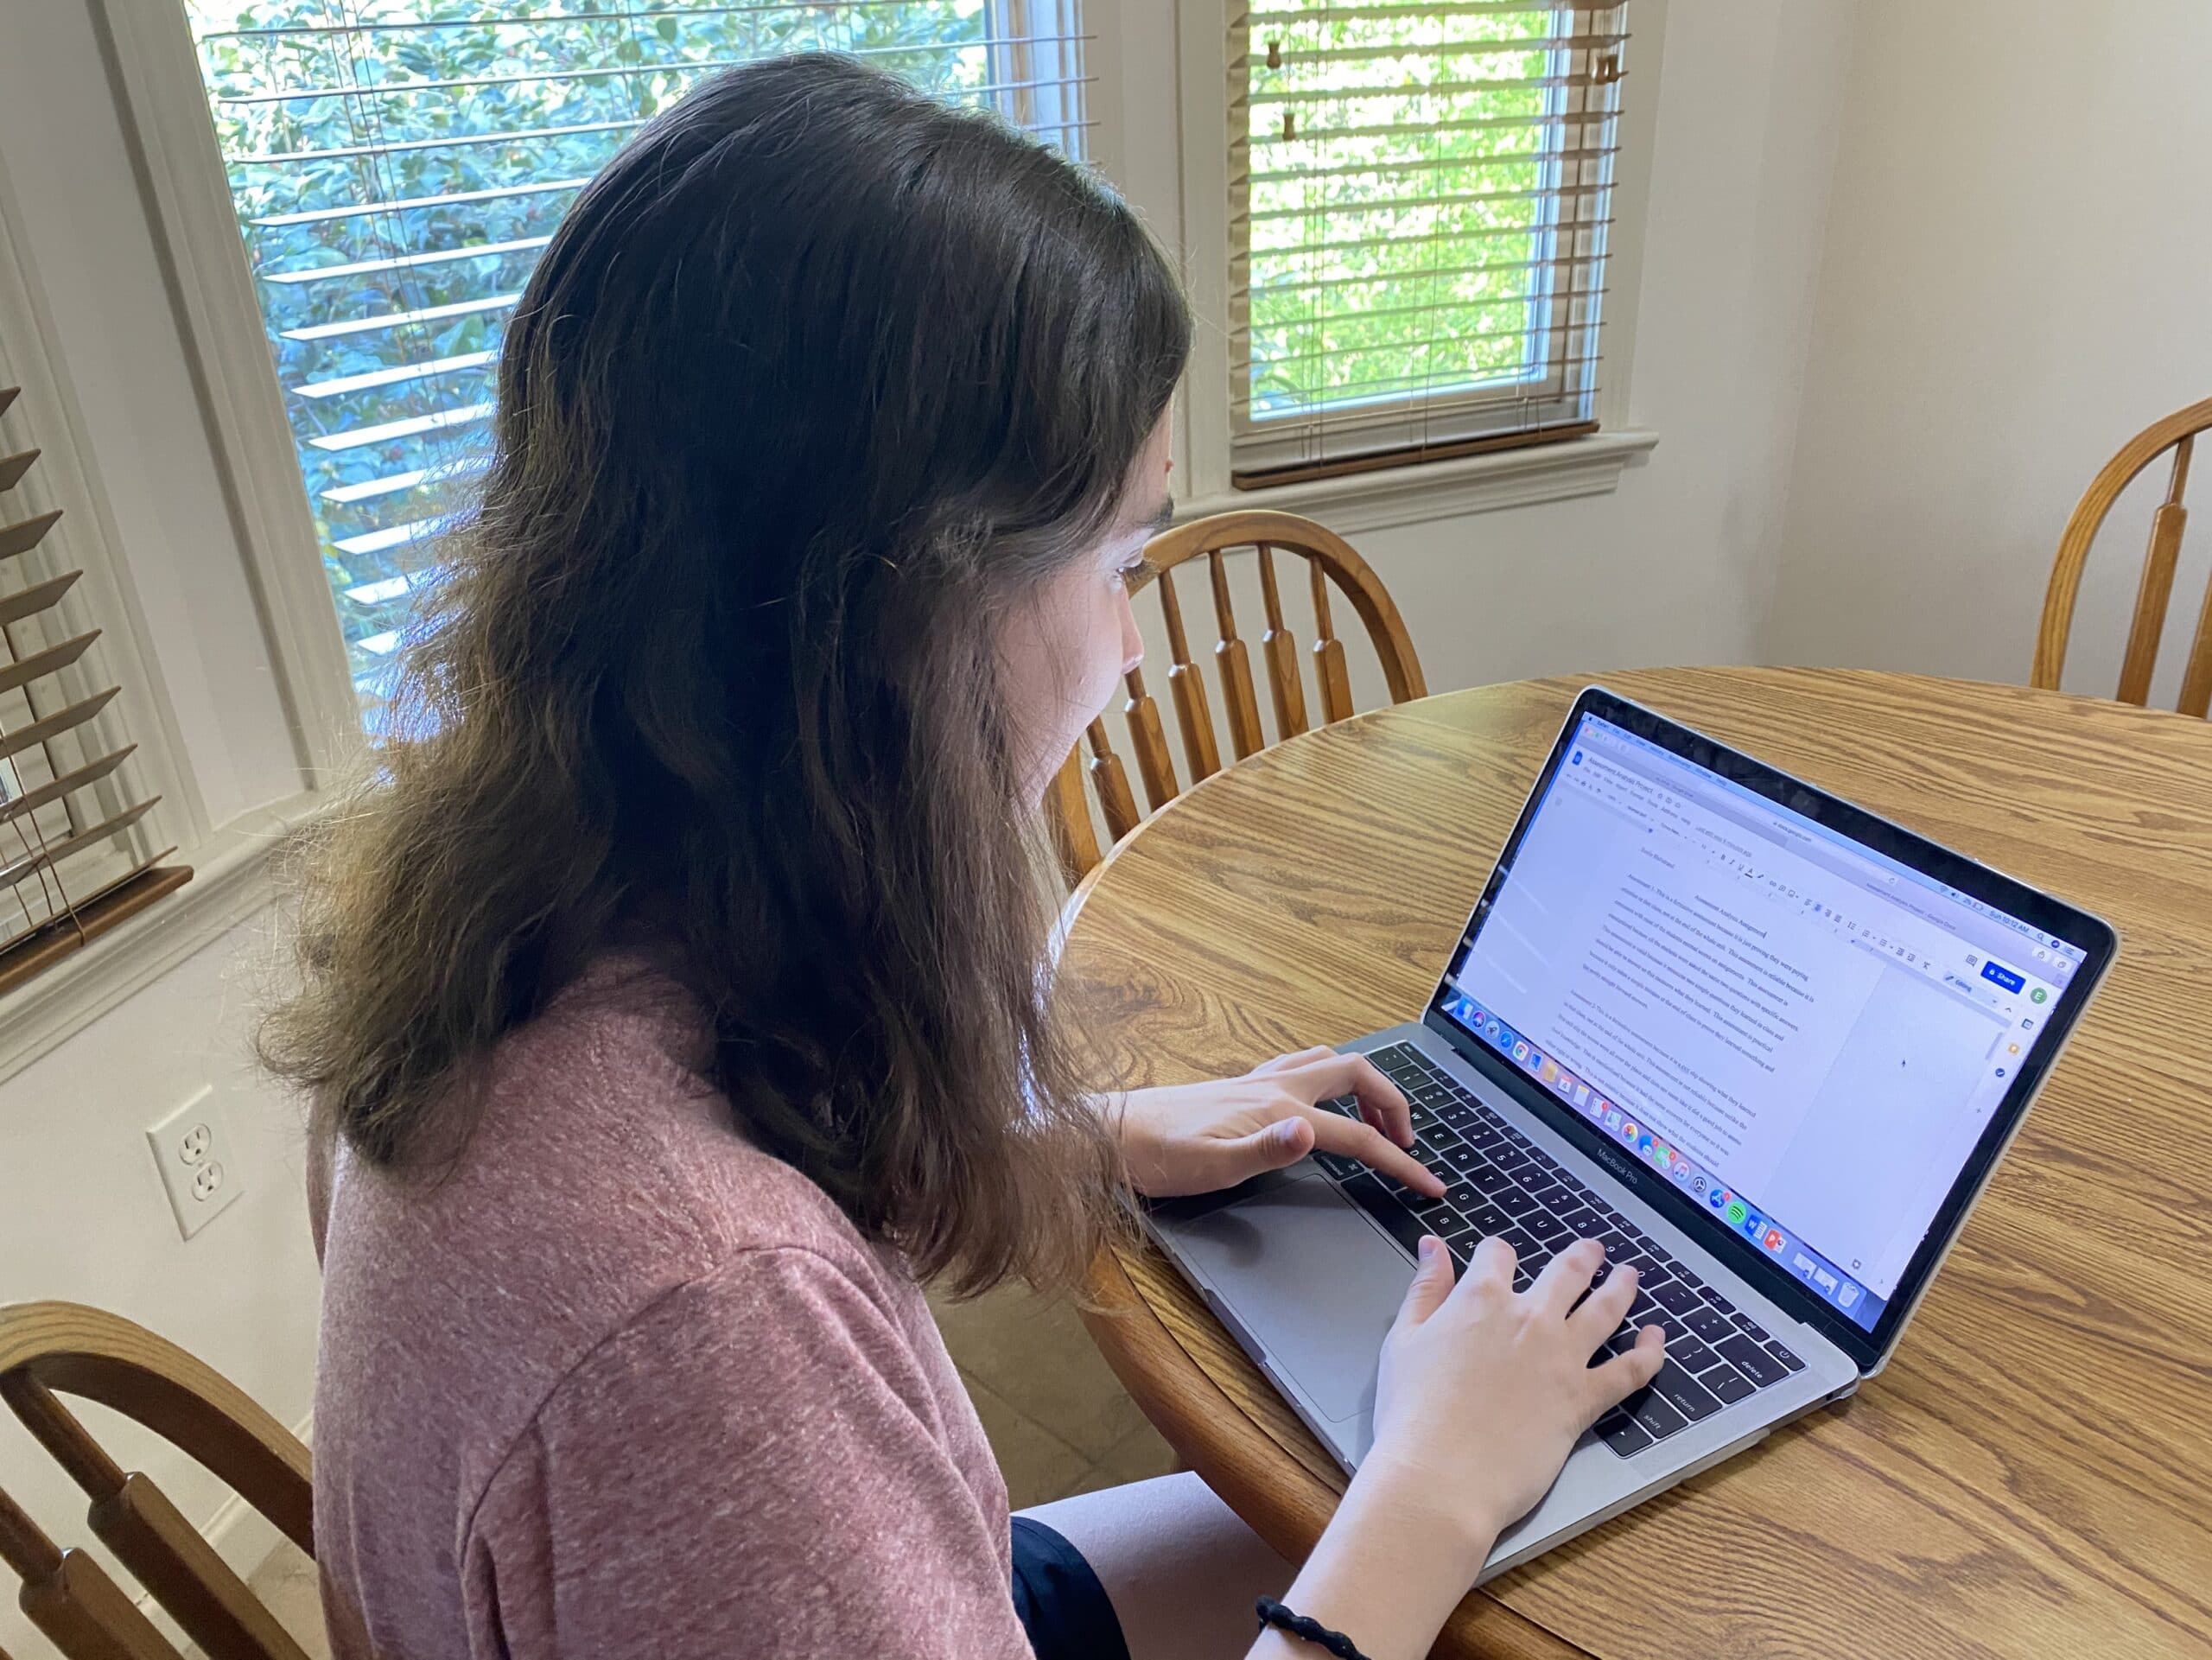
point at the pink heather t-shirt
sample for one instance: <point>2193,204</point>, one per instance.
<point>621,1384</point>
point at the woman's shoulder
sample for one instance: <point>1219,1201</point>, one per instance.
<point>602,1171</point>
<point>600,1115</point>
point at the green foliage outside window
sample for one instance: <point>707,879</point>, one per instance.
<point>1396,244</point>
<point>396,168</point>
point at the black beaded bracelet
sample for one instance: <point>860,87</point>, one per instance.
<point>1273,1614</point>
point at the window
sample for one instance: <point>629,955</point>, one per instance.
<point>398,165</point>
<point>1419,200</point>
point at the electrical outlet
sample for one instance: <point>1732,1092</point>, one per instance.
<point>192,1149</point>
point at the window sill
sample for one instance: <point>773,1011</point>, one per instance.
<point>1422,493</point>
<point>231,881</point>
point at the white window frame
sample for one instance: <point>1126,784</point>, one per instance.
<point>228,861</point>
<point>1415,492</point>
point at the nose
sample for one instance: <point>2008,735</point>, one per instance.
<point>1131,641</point>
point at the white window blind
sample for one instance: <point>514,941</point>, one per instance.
<point>397,166</point>
<point>1419,200</point>
<point>77,850</point>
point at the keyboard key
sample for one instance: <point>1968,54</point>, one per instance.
<point>1751,1360</point>
<point>1581,1218</point>
<point>1397,1221</point>
<point>1784,1355</point>
<point>1658,1419</point>
<point>1670,1327</point>
<point>1489,1220</point>
<point>1462,1158</point>
<point>1462,1198</point>
<point>1550,1229</point>
<point>1684,1393</point>
<point>1338,1165</point>
<point>1678,1298</point>
<point>1514,1202</point>
<point>1727,1383</point>
<point>1710,1325</point>
<point>1524,1244</point>
<point>1691,1355</point>
<point>1744,1322</point>
<point>1462,1249</point>
<point>1622,1433</point>
<point>1491,1181</point>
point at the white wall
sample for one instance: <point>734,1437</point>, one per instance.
<point>83,1217</point>
<point>2014,282</point>
<point>1675,566</point>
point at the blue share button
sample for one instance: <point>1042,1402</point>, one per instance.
<point>2003,975</point>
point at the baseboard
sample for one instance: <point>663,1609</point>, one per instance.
<point>243,1537</point>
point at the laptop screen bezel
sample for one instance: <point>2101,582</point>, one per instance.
<point>2077,927</point>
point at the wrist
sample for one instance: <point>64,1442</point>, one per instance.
<point>1401,1499</point>
<point>1392,1565</point>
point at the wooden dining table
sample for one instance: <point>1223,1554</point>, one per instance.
<point>2032,1472</point>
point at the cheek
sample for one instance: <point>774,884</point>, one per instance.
<point>1063,660</point>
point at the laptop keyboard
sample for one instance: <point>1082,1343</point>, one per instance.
<point>1503,1183</point>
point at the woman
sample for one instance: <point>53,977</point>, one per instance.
<point>671,998</point>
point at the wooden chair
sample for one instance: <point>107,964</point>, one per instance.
<point>51,1349</point>
<point>1330,561</point>
<point>2177,432</point>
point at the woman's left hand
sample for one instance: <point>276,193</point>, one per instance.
<point>1195,1138</point>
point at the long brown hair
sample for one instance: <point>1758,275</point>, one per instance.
<point>816,379</point>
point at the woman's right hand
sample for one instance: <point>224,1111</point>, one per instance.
<point>1483,1393</point>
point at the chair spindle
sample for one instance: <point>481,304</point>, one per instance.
<point>1280,647</point>
<point>1150,739</point>
<point>1330,674</point>
<point>2156,586</point>
<point>1193,715</point>
<point>1111,783</point>
<point>68,1596</point>
<point>1073,834</point>
<point>1235,668</point>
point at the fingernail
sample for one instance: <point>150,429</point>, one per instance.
<point>1429,1242</point>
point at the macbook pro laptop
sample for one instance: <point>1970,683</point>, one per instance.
<point>1764,1045</point>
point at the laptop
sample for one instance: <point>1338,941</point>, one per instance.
<point>1765,1045</point>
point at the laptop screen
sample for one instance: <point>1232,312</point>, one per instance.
<point>1808,1037</point>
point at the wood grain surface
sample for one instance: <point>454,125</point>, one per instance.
<point>2032,1474</point>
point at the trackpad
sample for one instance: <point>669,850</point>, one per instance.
<point>1310,1281</point>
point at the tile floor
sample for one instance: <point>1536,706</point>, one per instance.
<point>1058,1420</point>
